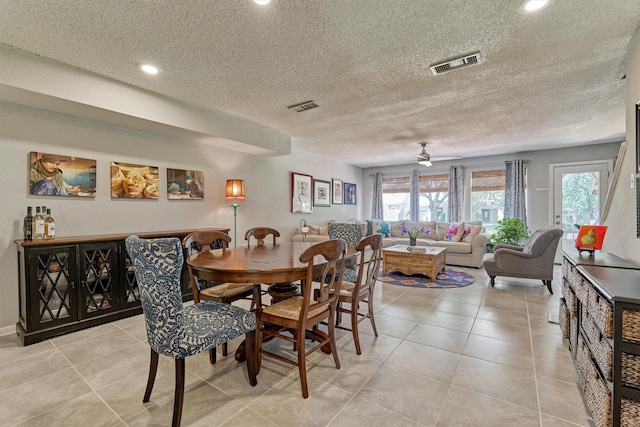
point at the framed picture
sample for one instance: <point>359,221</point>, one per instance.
<point>56,175</point>
<point>336,191</point>
<point>349,194</point>
<point>185,184</point>
<point>301,192</point>
<point>133,181</point>
<point>321,192</point>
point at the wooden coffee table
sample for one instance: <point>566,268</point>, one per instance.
<point>429,262</point>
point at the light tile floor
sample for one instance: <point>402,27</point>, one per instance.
<point>473,356</point>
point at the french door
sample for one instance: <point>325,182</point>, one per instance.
<point>579,192</point>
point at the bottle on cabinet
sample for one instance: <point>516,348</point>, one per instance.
<point>27,224</point>
<point>38,225</point>
<point>49,227</point>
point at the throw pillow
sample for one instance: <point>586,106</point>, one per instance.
<point>380,227</point>
<point>454,234</point>
<point>442,228</point>
<point>470,231</point>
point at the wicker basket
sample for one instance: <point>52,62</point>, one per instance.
<point>600,348</point>
<point>581,361</point>
<point>630,413</point>
<point>563,318</point>
<point>570,298</point>
<point>597,397</point>
<point>573,334</point>
<point>582,289</point>
<point>601,311</point>
<point>631,370</point>
<point>565,267</point>
<point>631,325</point>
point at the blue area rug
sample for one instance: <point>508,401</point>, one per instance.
<point>450,278</point>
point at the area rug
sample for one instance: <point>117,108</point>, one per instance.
<point>450,278</point>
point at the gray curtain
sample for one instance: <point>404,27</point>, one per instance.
<point>377,209</point>
<point>514,190</point>
<point>414,196</point>
<point>456,193</point>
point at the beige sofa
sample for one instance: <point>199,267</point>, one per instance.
<point>463,249</point>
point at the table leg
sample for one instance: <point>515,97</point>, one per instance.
<point>282,291</point>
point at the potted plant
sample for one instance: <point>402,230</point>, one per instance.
<point>511,231</point>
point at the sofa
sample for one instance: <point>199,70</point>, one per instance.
<point>466,242</point>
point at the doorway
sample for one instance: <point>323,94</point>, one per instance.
<point>579,193</point>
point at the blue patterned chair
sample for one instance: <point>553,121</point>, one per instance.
<point>352,234</point>
<point>177,331</point>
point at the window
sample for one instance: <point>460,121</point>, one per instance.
<point>434,194</point>
<point>487,197</point>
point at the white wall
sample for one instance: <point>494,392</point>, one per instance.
<point>267,181</point>
<point>538,177</point>
<point>621,236</point>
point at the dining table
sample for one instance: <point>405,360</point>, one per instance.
<point>277,265</point>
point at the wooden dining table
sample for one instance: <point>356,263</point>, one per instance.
<point>278,265</point>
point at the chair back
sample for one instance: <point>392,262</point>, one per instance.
<point>157,264</point>
<point>369,269</point>
<point>331,253</point>
<point>543,242</point>
<point>260,233</point>
<point>198,242</point>
<point>351,233</point>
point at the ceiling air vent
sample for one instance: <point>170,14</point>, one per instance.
<point>454,63</point>
<point>303,106</point>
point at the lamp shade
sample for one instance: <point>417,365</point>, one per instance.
<point>235,191</point>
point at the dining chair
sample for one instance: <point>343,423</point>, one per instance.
<point>260,233</point>
<point>361,290</point>
<point>299,313</point>
<point>178,331</point>
<point>201,241</point>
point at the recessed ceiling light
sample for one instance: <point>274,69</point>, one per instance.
<point>262,2</point>
<point>532,6</point>
<point>149,69</point>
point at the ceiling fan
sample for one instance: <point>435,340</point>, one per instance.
<point>425,158</point>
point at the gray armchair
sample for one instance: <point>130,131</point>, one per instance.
<point>533,261</point>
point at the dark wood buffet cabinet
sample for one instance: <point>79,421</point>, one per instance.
<point>600,317</point>
<point>72,283</point>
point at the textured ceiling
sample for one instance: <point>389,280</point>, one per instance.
<point>549,80</point>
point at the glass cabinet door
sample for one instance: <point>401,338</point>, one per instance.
<point>52,286</point>
<point>98,276</point>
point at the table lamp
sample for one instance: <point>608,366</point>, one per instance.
<point>304,229</point>
<point>235,194</point>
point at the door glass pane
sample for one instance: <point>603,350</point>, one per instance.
<point>54,288</point>
<point>580,202</point>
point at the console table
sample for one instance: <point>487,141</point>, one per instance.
<point>73,283</point>
<point>600,316</point>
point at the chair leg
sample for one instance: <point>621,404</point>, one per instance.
<point>371,315</point>
<point>548,283</point>
<point>251,344</point>
<point>179,393</point>
<point>225,350</point>
<point>212,356</point>
<point>493,280</point>
<point>332,338</point>
<point>354,327</point>
<point>259,337</point>
<point>153,368</point>
<point>302,366</point>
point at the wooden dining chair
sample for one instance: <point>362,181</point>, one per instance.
<point>299,313</point>
<point>178,331</point>
<point>260,233</point>
<point>361,290</point>
<point>201,241</point>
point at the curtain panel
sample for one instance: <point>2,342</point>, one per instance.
<point>377,209</point>
<point>514,190</point>
<point>456,193</point>
<point>414,196</point>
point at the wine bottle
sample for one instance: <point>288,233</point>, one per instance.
<point>38,225</point>
<point>49,227</point>
<point>27,225</point>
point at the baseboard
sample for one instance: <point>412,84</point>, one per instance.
<point>7,330</point>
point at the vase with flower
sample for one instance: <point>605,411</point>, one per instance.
<point>413,233</point>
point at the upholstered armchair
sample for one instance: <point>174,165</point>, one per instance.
<point>352,234</point>
<point>533,261</point>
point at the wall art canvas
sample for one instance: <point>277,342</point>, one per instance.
<point>130,181</point>
<point>321,193</point>
<point>301,193</point>
<point>336,191</point>
<point>349,194</point>
<point>185,184</point>
<point>58,175</point>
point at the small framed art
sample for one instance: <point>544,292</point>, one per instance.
<point>185,184</point>
<point>321,193</point>
<point>349,194</point>
<point>58,175</point>
<point>336,191</point>
<point>301,193</point>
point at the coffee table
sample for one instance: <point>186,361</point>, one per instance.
<point>428,262</point>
